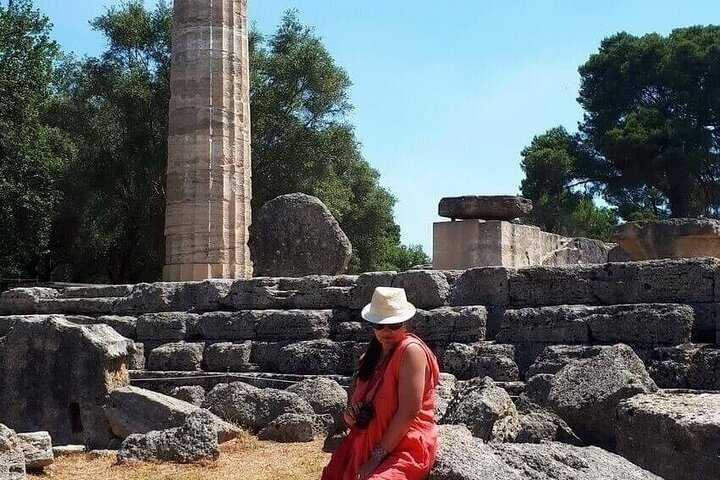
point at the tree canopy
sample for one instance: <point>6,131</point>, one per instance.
<point>29,149</point>
<point>648,143</point>
<point>84,161</point>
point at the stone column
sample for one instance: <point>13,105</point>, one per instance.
<point>209,166</point>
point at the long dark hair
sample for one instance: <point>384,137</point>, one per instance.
<point>369,360</point>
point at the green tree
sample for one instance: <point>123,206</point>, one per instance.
<point>652,121</point>
<point>30,152</point>
<point>110,226</point>
<point>302,142</point>
<point>562,198</point>
<point>114,108</point>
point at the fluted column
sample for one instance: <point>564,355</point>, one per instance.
<point>209,165</point>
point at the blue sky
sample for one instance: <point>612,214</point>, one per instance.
<point>446,93</point>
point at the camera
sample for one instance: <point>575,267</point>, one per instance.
<point>365,413</point>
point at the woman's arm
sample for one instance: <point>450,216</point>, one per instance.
<point>411,386</point>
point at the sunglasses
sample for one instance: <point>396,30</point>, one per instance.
<point>391,326</point>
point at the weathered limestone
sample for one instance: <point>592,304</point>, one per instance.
<point>672,238</point>
<point>54,376</point>
<point>585,393</point>
<point>485,409</point>
<point>674,435</point>
<point>653,324</point>
<point>481,359</point>
<point>485,207</point>
<point>209,167</point>
<point>478,243</point>
<point>12,459</point>
<point>193,441</point>
<point>463,457</point>
<point>37,449</point>
<point>181,356</point>
<point>296,235</point>
<point>251,407</point>
<point>133,410</point>
<point>289,428</point>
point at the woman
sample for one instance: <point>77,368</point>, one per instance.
<point>391,413</point>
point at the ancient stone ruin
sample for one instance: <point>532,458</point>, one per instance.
<point>481,234</point>
<point>591,358</point>
<point>209,168</point>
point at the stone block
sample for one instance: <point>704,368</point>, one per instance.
<point>37,449</point>
<point>563,324</point>
<point>25,301</point>
<point>132,410</point>
<point>228,357</point>
<point>312,292</point>
<point>608,284</point>
<point>317,357</point>
<point>292,325</point>
<point>482,286</point>
<point>365,286</point>
<point>124,325</point>
<point>52,375</point>
<point>425,289</point>
<point>266,355</point>
<point>180,356</point>
<point>450,324</point>
<point>95,291</point>
<point>230,326</point>
<point>553,358</point>
<point>12,459</point>
<point>167,326</point>
<point>586,393</point>
<point>670,238</point>
<point>466,361</point>
<point>674,435</point>
<point>655,324</point>
<point>486,207</point>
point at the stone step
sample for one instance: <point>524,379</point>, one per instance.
<point>654,281</point>
<point>637,324</point>
<point>166,381</point>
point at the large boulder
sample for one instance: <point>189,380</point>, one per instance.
<point>37,449</point>
<point>132,410</point>
<point>323,394</point>
<point>463,457</point>
<point>586,393</point>
<point>425,288</point>
<point>672,238</point>
<point>12,459</point>
<point>485,207</point>
<point>194,441</point>
<point>251,407</point>
<point>676,435</point>
<point>485,409</point>
<point>296,235</point>
<point>55,375</point>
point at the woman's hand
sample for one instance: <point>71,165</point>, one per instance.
<point>368,468</point>
<point>350,414</point>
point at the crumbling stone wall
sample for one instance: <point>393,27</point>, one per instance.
<point>486,321</point>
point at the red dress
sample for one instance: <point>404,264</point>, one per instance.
<point>414,456</point>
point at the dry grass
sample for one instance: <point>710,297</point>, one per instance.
<point>243,459</point>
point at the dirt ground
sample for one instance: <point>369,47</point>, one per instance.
<point>242,459</point>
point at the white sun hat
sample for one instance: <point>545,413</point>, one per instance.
<point>388,305</point>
